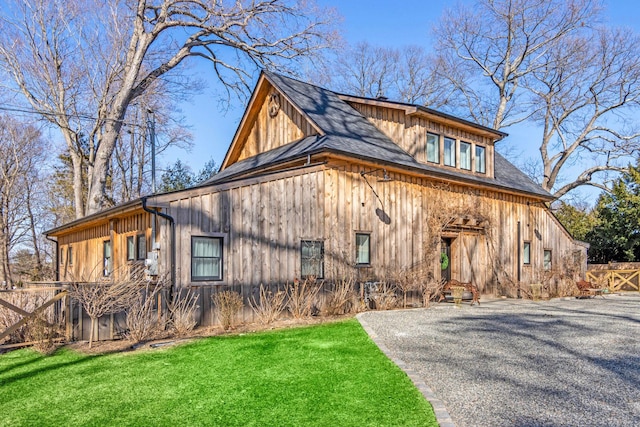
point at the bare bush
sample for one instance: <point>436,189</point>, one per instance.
<point>42,333</point>
<point>182,312</point>
<point>270,305</point>
<point>341,299</point>
<point>142,320</point>
<point>431,288</point>
<point>385,298</point>
<point>27,302</point>
<point>227,305</point>
<point>302,296</point>
<point>406,280</point>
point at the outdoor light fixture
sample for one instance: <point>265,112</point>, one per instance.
<point>385,175</point>
<point>384,217</point>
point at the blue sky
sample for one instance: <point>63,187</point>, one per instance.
<point>379,22</point>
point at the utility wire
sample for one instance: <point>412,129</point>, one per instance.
<point>15,109</point>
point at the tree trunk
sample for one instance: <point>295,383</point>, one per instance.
<point>93,323</point>
<point>34,235</point>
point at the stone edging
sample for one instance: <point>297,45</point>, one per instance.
<point>442,415</point>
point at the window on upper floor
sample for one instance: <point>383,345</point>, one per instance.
<point>433,148</point>
<point>70,255</point>
<point>465,155</point>
<point>450,152</point>
<point>481,160</point>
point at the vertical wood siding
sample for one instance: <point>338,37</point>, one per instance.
<point>410,132</point>
<point>268,132</point>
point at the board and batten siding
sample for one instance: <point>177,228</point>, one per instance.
<point>87,246</point>
<point>410,132</point>
<point>263,222</point>
<point>268,132</point>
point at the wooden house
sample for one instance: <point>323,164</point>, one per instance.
<point>331,185</point>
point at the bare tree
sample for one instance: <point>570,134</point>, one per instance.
<point>80,64</point>
<point>486,49</point>
<point>20,155</point>
<point>99,299</point>
<point>584,91</point>
<point>402,74</point>
<point>547,64</point>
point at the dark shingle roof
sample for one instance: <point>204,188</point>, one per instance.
<point>346,131</point>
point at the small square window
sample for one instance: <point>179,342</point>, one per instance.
<point>312,259</point>
<point>526,253</point>
<point>481,162</point>
<point>206,258</point>
<point>131,248</point>
<point>450,152</point>
<point>465,155</point>
<point>141,241</point>
<point>547,259</point>
<point>363,249</point>
<point>433,148</point>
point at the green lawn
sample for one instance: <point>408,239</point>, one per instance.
<point>327,375</point>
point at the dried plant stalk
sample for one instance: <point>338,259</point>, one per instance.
<point>227,305</point>
<point>182,312</point>
<point>340,300</point>
<point>142,320</point>
<point>301,297</point>
<point>270,305</point>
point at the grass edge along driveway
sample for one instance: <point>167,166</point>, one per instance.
<point>330,374</point>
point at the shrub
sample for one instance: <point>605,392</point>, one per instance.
<point>341,299</point>
<point>270,305</point>
<point>42,333</point>
<point>301,297</point>
<point>227,305</point>
<point>142,319</point>
<point>385,298</point>
<point>182,312</point>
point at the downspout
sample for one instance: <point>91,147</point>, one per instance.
<point>519,258</point>
<point>172,243</point>
<point>57,255</point>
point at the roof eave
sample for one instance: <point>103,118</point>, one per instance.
<point>116,210</point>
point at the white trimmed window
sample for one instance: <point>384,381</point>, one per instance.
<point>450,152</point>
<point>433,148</point>
<point>465,155</point>
<point>206,258</point>
<point>481,160</point>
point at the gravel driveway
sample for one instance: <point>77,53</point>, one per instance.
<point>521,363</point>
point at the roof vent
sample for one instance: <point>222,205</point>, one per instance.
<point>382,98</point>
